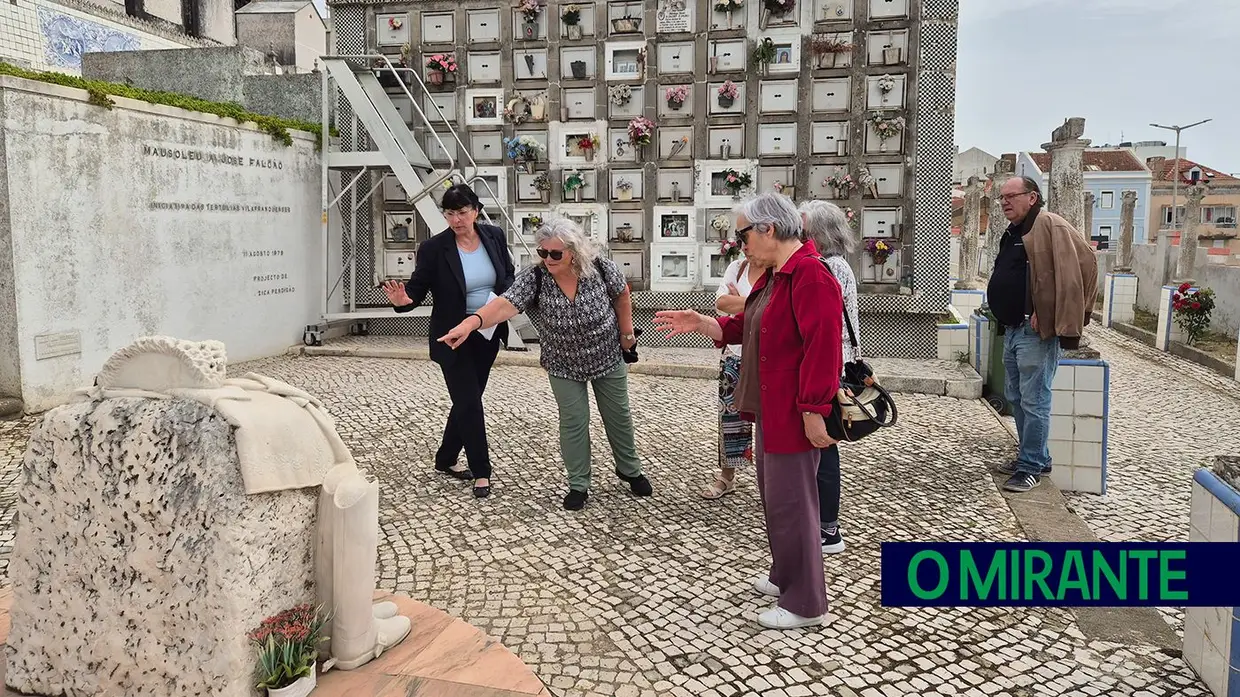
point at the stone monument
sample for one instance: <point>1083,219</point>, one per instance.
<point>1127,221</point>
<point>970,231</point>
<point>1067,180</point>
<point>166,512</point>
<point>996,223</point>
<point>1188,239</point>
<point>1087,209</point>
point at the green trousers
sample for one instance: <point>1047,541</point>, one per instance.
<point>612,394</point>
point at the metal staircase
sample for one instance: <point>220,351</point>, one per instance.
<point>397,151</point>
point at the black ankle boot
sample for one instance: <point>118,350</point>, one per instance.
<point>639,485</point>
<point>576,500</point>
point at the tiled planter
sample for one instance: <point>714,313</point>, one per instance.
<point>966,301</point>
<point>1080,403</point>
<point>953,341</point>
<point>1167,330</point>
<point>1212,634</point>
<point>1119,298</point>
<point>980,345</point>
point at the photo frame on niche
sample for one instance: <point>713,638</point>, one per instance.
<point>674,266</point>
<point>674,224</point>
<point>392,29</point>
<point>484,107</point>
<point>787,53</point>
<point>713,189</point>
<point>624,60</point>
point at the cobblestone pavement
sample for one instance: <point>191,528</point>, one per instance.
<point>651,597</point>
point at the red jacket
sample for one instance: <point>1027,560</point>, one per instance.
<point>800,360</point>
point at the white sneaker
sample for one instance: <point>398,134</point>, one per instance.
<point>779,618</point>
<point>763,585</point>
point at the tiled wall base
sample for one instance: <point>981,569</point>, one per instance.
<point>966,301</point>
<point>953,341</point>
<point>1211,633</point>
<point>1119,298</point>
<point>44,35</point>
<point>1079,419</point>
<point>1167,331</point>
<point>979,346</point>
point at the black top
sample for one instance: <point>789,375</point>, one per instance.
<point>1008,290</point>
<point>438,271</point>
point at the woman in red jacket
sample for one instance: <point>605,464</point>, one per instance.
<point>791,362</point>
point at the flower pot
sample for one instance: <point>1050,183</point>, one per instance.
<point>400,233</point>
<point>725,151</point>
<point>841,147</point>
<point>574,32</point>
<point>538,111</point>
<point>300,688</point>
<point>529,30</point>
<point>579,69</point>
<point>435,77</point>
<point>544,196</point>
<point>714,64</point>
<point>891,56</point>
<point>577,194</point>
<point>729,16</point>
<point>624,233</point>
<point>873,190</point>
<point>764,17</point>
<point>675,193</point>
<point>624,195</point>
<point>387,78</point>
<point>563,113</point>
<point>674,104</point>
<point>726,102</point>
<point>882,145</point>
<point>833,192</point>
<point>589,153</point>
<point>826,60</point>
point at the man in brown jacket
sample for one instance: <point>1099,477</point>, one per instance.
<point>1043,286</point>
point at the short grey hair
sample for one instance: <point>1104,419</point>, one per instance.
<point>827,225</point>
<point>574,239</point>
<point>768,210</point>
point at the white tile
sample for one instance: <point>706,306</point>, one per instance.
<point>1196,535</point>
<point>1087,479</point>
<point>1088,403</point>
<point>1061,427</point>
<point>1062,476</point>
<point>1090,378</point>
<point>1194,641</point>
<point>1216,622</point>
<point>1061,402</point>
<point>1199,508</point>
<point>1087,428</point>
<point>1213,669</point>
<point>1064,377</point>
<point>1086,454</point>
<point>1061,452</point>
<point>1223,523</point>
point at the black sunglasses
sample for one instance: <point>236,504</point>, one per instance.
<point>556,254</point>
<point>742,235</point>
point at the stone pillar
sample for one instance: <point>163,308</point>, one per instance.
<point>1127,215</point>
<point>997,224</point>
<point>970,231</point>
<point>1188,239</point>
<point>1067,176</point>
<point>1087,209</point>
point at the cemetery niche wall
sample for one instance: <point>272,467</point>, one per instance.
<point>648,121</point>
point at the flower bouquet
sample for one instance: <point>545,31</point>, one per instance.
<point>878,250</point>
<point>728,92</point>
<point>571,16</point>
<point>736,181</point>
<point>624,190</point>
<point>727,7</point>
<point>573,184</point>
<point>619,94</point>
<point>522,148</point>
<point>395,23</point>
<point>886,128</point>
<point>1191,308</point>
<point>721,224</point>
<point>730,249</point>
<point>851,215</point>
<point>288,646</point>
<point>542,183</point>
<point>840,183</point>
<point>588,144</point>
<point>440,65</point>
<point>530,9</point>
<point>676,96</point>
<point>641,131</point>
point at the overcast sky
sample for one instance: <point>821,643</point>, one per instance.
<point>1025,65</point>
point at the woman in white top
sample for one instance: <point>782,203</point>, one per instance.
<point>735,434</point>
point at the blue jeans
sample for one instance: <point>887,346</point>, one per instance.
<point>1029,364</point>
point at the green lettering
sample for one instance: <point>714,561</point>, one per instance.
<point>1165,574</point>
<point>914,586</point>
<point>1119,584</point>
<point>969,577</point>
<point>1038,576</point>
<point>1072,576</point>
<point>1143,557</point>
<point>1014,593</point>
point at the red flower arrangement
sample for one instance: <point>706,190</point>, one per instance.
<point>288,645</point>
<point>1191,308</point>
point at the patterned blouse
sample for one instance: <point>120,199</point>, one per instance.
<point>578,339</point>
<point>848,284</point>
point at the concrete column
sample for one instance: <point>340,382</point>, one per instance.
<point>997,224</point>
<point>1067,180</point>
<point>1188,239</point>
<point>1123,261</point>
<point>1087,210</point>
<point>970,231</point>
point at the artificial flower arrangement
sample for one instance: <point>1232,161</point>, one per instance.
<point>764,52</point>
<point>619,94</point>
<point>736,181</point>
<point>442,63</point>
<point>571,15</point>
<point>676,95</point>
<point>395,23</point>
<point>779,8</point>
<point>588,142</point>
<point>886,127</point>
<point>641,130</point>
<point>886,83</point>
<point>878,250</point>
<point>841,181</point>
<point>728,5</point>
<point>574,182</point>
<point>530,8</point>
<point>728,92</point>
<point>730,249</point>
<point>720,224</point>
<point>851,215</point>
<point>525,148</point>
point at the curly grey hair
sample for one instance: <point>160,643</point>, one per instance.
<point>827,225</point>
<point>574,239</point>
<point>768,210</point>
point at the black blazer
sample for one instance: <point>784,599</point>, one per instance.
<point>438,271</point>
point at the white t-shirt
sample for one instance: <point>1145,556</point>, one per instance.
<point>743,286</point>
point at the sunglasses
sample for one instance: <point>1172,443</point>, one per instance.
<point>742,235</point>
<point>556,254</point>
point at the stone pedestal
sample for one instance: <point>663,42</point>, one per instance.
<point>1167,331</point>
<point>1211,633</point>
<point>1080,397</point>
<point>1119,298</point>
<point>140,563</point>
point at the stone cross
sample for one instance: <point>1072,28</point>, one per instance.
<point>1188,239</point>
<point>996,224</point>
<point>1087,207</point>
<point>1067,179</point>
<point>970,231</point>
<point>1126,222</point>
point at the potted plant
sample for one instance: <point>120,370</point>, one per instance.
<point>676,96</point>
<point>288,646</point>
<point>439,66</point>
<point>886,128</point>
<point>728,92</point>
<point>641,131</point>
<point>619,94</point>
<point>775,8</point>
<point>827,50</point>
<point>624,190</point>
<point>530,9</point>
<point>588,144</point>
<point>764,55</point>
<point>1191,308</point>
<point>727,7</point>
<point>736,181</point>
<point>543,184</point>
<point>571,16</point>
<point>573,184</point>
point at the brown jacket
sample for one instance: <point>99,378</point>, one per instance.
<point>1063,271</point>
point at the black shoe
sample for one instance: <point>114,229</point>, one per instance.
<point>1009,468</point>
<point>639,485</point>
<point>455,474</point>
<point>1022,482</point>
<point>833,543</point>
<point>481,492</point>
<point>576,500</point>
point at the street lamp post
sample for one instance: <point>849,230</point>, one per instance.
<point>1175,181</point>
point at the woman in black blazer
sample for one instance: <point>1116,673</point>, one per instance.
<point>462,267</point>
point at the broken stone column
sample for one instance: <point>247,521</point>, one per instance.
<point>1119,287</point>
<point>1067,180</point>
<point>970,232</point>
<point>1087,208</point>
<point>1188,239</point>
<point>996,224</point>
<point>1127,223</point>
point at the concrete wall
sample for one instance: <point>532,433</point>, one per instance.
<point>10,372</point>
<point>209,73</point>
<point>311,37</point>
<point>266,32</point>
<point>1224,280</point>
<point>289,96</point>
<point>147,220</point>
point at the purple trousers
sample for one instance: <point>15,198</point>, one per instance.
<point>788,486</point>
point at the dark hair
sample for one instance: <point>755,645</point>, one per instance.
<point>1031,186</point>
<point>460,196</point>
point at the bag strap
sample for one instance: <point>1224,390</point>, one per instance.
<point>852,335</point>
<point>740,270</point>
<point>538,280</point>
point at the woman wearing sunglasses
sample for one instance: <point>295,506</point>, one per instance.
<point>790,371</point>
<point>580,304</point>
<point>461,267</point>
